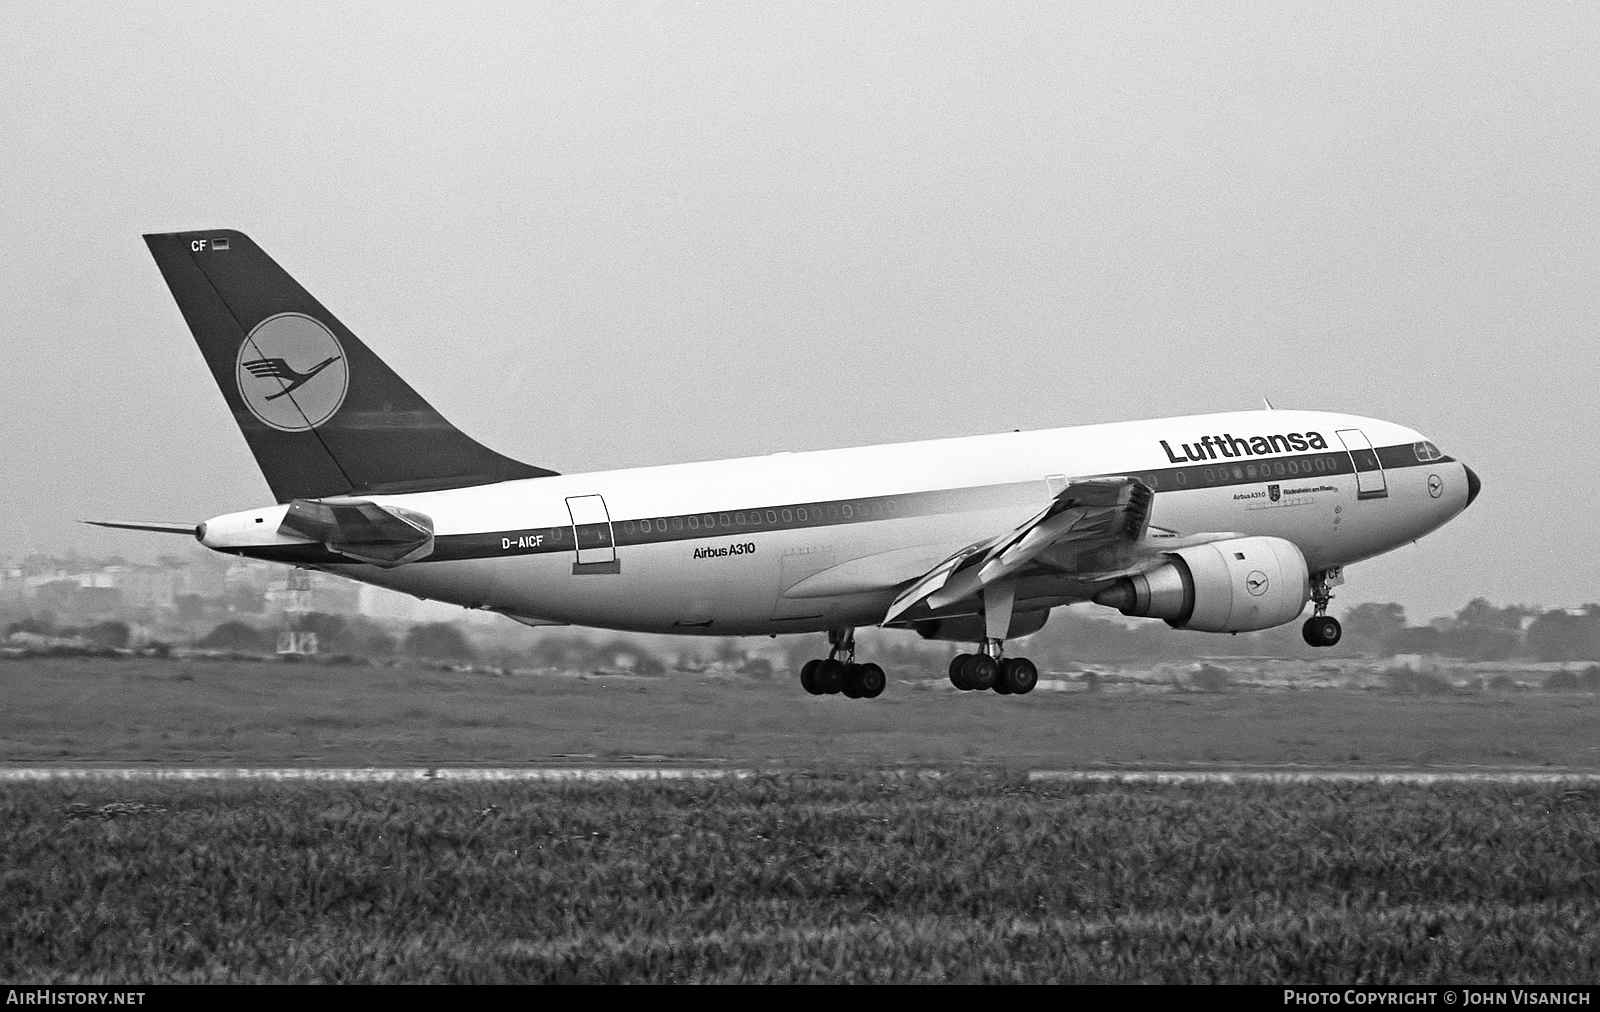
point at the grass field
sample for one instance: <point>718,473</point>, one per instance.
<point>821,868</point>
<point>244,713</point>
<point>853,878</point>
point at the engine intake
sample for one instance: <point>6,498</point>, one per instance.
<point>1238,585</point>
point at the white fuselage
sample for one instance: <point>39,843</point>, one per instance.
<point>797,542</point>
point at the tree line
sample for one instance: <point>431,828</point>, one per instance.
<point>1480,631</point>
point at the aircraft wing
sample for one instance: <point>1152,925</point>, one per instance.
<point>1089,516</point>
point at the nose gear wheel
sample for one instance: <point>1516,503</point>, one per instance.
<point>1322,629</point>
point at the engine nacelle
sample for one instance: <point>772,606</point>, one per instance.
<point>971,628</point>
<point>1238,585</point>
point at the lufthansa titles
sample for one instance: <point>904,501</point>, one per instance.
<point>1229,445</point>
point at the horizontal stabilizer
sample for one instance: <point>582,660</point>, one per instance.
<point>362,529</point>
<point>158,526</point>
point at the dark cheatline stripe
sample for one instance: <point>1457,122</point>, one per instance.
<point>1410,455</point>
<point>754,520</point>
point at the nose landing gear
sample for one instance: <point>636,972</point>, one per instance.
<point>833,676</point>
<point>1322,629</point>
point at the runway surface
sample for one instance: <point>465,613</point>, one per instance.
<point>604,774</point>
<point>419,774</point>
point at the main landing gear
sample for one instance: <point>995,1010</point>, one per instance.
<point>1322,629</point>
<point>839,673</point>
<point>1011,676</point>
<point>832,676</point>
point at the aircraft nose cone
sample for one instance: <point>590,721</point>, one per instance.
<point>1474,486</point>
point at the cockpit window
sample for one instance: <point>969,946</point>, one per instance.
<point>1426,451</point>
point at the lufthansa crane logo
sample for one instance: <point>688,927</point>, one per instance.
<point>292,372</point>
<point>1256,583</point>
<point>1435,486</point>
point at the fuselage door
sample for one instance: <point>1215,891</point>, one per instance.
<point>591,532</point>
<point>1370,483</point>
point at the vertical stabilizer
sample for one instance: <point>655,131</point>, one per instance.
<point>322,414</point>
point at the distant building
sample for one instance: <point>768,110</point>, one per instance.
<point>205,577</point>
<point>151,586</point>
<point>13,589</point>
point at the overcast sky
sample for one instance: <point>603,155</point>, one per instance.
<point>597,236</point>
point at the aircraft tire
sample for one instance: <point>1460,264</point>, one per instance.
<point>808,676</point>
<point>1019,675</point>
<point>852,681</point>
<point>830,677</point>
<point>1322,631</point>
<point>980,671</point>
<point>870,681</point>
<point>958,668</point>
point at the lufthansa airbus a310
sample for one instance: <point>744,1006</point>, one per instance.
<point>1222,523</point>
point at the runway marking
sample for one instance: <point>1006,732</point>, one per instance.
<point>370,775</point>
<point>603,774</point>
<point>1415,778</point>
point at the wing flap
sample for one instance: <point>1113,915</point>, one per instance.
<point>929,583</point>
<point>1095,512</point>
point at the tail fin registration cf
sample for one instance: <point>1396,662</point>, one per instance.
<point>322,414</point>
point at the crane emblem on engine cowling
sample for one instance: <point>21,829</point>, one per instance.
<point>291,372</point>
<point>1256,583</point>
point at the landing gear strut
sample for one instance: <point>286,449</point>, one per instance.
<point>1322,629</point>
<point>832,676</point>
<point>1010,676</point>
<point>986,669</point>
